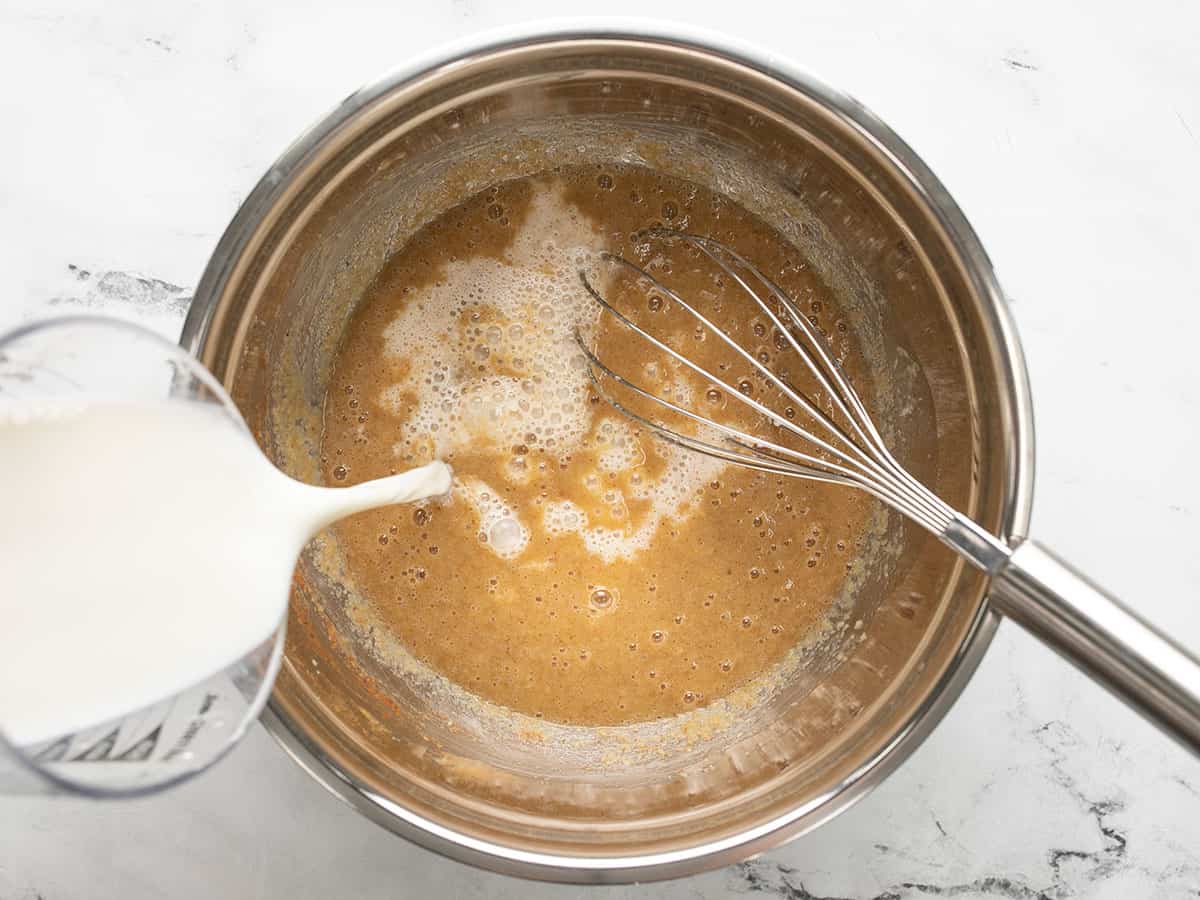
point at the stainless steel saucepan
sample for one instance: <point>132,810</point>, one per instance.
<point>660,799</point>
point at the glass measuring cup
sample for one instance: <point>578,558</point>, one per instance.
<point>86,359</point>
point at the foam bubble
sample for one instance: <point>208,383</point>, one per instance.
<point>499,527</point>
<point>507,537</point>
<point>621,449</point>
<point>561,517</point>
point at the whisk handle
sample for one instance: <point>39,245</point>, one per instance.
<point>1104,638</point>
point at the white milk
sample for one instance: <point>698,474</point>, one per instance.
<point>144,548</point>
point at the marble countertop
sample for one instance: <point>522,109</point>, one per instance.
<point>1069,133</point>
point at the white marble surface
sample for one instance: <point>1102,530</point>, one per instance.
<point>1070,134</point>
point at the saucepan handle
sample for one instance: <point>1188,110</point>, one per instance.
<point>1095,631</point>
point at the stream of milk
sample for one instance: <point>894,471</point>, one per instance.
<point>144,548</point>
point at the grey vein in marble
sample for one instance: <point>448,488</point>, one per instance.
<point>776,879</point>
<point>98,291</point>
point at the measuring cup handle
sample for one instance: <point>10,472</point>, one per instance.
<point>1109,642</point>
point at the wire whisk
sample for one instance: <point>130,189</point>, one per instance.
<point>853,453</point>
<point>1028,583</point>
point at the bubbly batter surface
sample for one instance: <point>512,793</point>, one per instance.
<point>583,571</point>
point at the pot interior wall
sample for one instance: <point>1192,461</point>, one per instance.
<point>390,724</point>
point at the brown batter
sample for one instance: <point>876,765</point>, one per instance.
<point>583,571</point>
